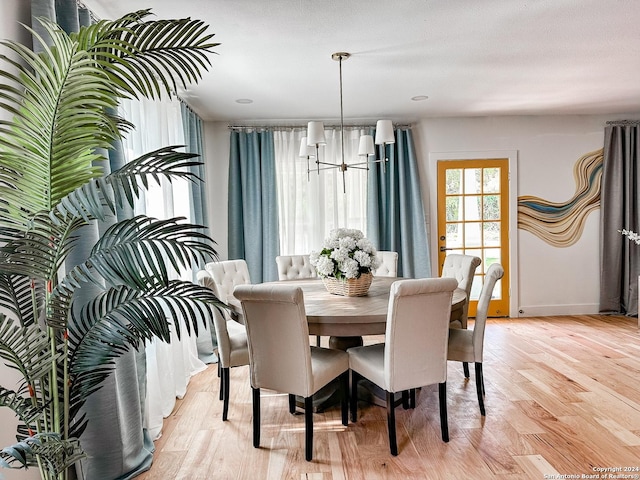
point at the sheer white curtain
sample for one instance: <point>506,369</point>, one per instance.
<point>310,206</point>
<point>169,366</point>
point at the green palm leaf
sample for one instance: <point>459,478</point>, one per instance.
<point>134,252</point>
<point>21,296</point>
<point>21,406</point>
<point>111,323</point>
<point>56,453</point>
<point>26,349</point>
<point>148,56</point>
<point>122,188</point>
<point>49,147</point>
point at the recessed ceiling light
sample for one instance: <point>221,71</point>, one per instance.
<point>419,98</point>
<point>244,100</point>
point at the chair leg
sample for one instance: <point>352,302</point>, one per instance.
<point>344,397</point>
<point>444,423</point>
<point>292,403</point>
<point>405,399</point>
<point>224,388</point>
<point>465,369</point>
<point>256,417</point>
<point>220,377</point>
<point>355,376</point>
<point>412,398</point>
<point>317,340</point>
<point>391,423</point>
<point>308,428</point>
<point>480,387</point>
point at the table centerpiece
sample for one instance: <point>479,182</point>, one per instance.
<point>345,262</point>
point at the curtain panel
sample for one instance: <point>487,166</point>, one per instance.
<point>395,212</point>
<point>620,209</point>
<point>253,209</point>
<point>311,204</point>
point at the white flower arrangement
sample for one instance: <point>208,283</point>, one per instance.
<point>633,236</point>
<point>345,254</point>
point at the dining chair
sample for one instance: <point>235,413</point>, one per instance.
<point>280,356</point>
<point>231,346</point>
<point>388,264</point>
<point>226,276</point>
<point>463,269</point>
<point>414,353</point>
<point>291,267</point>
<point>468,345</point>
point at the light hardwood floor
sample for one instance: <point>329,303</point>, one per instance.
<point>562,399</point>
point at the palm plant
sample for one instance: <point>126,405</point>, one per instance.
<point>51,186</point>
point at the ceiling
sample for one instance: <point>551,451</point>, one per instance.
<point>469,57</point>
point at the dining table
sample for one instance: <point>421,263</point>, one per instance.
<point>346,319</point>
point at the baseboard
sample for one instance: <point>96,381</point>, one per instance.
<point>549,310</point>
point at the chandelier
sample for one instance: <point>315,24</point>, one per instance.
<point>310,145</point>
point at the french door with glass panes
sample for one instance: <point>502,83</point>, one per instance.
<point>473,219</point>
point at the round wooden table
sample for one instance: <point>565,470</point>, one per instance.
<point>338,316</point>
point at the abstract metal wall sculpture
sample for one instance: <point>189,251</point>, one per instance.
<point>561,224</point>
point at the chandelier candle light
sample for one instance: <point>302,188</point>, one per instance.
<point>315,137</point>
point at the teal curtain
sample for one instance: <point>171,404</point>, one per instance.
<point>253,209</point>
<point>114,441</point>
<point>395,212</point>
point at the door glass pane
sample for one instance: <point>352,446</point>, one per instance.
<point>476,287</point>
<point>472,180</point>
<point>491,255</point>
<point>491,180</point>
<point>473,235</point>
<point>454,181</point>
<point>491,207</point>
<point>473,207</point>
<point>454,212</point>
<point>454,235</point>
<point>491,232</point>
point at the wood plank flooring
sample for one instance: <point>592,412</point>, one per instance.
<point>562,399</point>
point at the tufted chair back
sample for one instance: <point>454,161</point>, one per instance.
<point>388,264</point>
<point>226,275</point>
<point>291,267</point>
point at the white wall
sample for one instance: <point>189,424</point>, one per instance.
<point>12,12</point>
<point>550,280</point>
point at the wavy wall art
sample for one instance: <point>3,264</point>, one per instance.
<point>561,224</point>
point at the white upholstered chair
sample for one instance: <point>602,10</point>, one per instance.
<point>280,356</point>
<point>388,264</point>
<point>463,269</point>
<point>415,350</point>
<point>291,267</point>
<point>226,275</point>
<point>467,345</point>
<point>232,347</point>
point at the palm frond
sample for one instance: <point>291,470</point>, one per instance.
<point>21,406</point>
<point>134,252</point>
<point>149,56</point>
<point>26,349</point>
<point>111,323</point>
<point>21,296</point>
<point>40,251</point>
<point>60,121</point>
<point>57,454</point>
<point>121,188</point>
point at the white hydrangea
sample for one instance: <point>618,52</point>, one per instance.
<point>346,253</point>
<point>324,266</point>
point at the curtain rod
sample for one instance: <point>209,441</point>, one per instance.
<point>304,127</point>
<point>623,122</point>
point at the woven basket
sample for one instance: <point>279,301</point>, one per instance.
<point>349,287</point>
